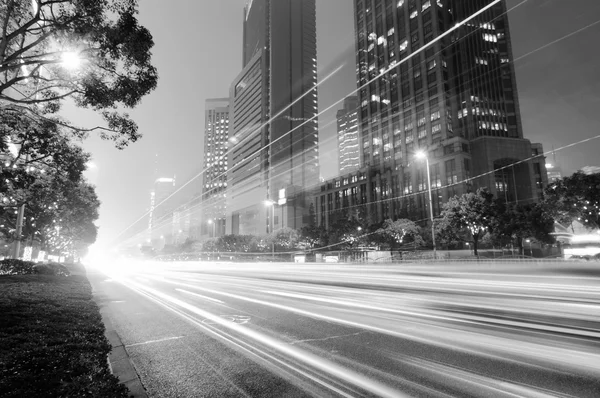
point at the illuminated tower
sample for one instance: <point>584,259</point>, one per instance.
<point>453,97</point>
<point>347,129</point>
<point>216,130</point>
<point>274,134</point>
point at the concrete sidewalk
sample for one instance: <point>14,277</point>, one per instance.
<point>118,359</point>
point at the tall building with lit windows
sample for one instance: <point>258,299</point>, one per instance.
<point>273,134</point>
<point>216,133</point>
<point>452,96</point>
<point>347,129</point>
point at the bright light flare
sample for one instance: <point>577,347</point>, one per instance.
<point>420,155</point>
<point>70,60</point>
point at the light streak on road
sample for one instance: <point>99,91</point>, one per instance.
<point>387,330</point>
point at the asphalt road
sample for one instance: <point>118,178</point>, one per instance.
<point>328,330</point>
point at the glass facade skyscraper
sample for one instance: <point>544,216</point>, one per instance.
<point>347,130</point>
<point>452,96</point>
<point>274,134</point>
<point>216,134</point>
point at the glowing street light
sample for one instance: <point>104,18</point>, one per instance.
<point>423,155</point>
<point>70,60</point>
<point>211,222</point>
<point>271,204</point>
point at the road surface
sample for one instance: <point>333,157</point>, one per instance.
<point>329,330</point>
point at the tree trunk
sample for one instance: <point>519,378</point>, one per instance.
<point>520,245</point>
<point>475,243</point>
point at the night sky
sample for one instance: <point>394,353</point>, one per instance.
<point>198,53</point>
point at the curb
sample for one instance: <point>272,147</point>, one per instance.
<point>118,359</point>
<point>120,364</point>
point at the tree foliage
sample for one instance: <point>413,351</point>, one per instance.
<point>401,232</point>
<point>312,237</point>
<point>42,39</point>
<point>575,198</point>
<point>516,223</point>
<point>34,152</point>
<point>471,214</point>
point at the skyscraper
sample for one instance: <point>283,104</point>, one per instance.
<point>274,153</point>
<point>453,97</point>
<point>347,129</point>
<point>216,133</point>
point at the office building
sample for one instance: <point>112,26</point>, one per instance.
<point>453,97</point>
<point>347,129</point>
<point>216,134</point>
<point>273,133</point>
<point>540,172</point>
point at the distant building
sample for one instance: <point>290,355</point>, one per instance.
<point>216,134</point>
<point>274,135</point>
<point>347,130</point>
<point>159,223</point>
<point>540,173</point>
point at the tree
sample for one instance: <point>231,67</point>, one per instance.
<point>94,52</point>
<point>344,231</point>
<point>470,213</point>
<point>60,215</point>
<point>33,151</point>
<point>401,232</point>
<point>284,239</point>
<point>63,220</point>
<point>519,222</point>
<point>312,236</point>
<point>574,198</point>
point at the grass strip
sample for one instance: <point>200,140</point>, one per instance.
<point>52,341</point>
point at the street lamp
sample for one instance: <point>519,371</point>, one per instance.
<point>271,204</point>
<point>423,155</point>
<point>213,225</point>
<point>529,241</point>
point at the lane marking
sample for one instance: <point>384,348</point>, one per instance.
<point>201,296</point>
<point>155,341</point>
<point>327,338</point>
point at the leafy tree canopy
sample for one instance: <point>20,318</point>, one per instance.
<point>473,213</point>
<point>575,198</point>
<point>93,51</point>
<point>401,232</point>
<point>34,152</point>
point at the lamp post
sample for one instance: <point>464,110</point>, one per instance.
<point>423,155</point>
<point>211,221</point>
<point>271,204</point>
<point>529,241</point>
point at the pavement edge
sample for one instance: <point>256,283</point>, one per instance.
<point>118,359</point>
<point>120,363</point>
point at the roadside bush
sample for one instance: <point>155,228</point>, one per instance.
<point>16,267</point>
<point>51,269</point>
<point>52,341</point>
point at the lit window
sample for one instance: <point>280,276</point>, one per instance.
<point>426,5</point>
<point>490,37</point>
<point>414,14</point>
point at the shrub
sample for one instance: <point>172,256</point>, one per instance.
<point>16,267</point>
<point>51,269</point>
